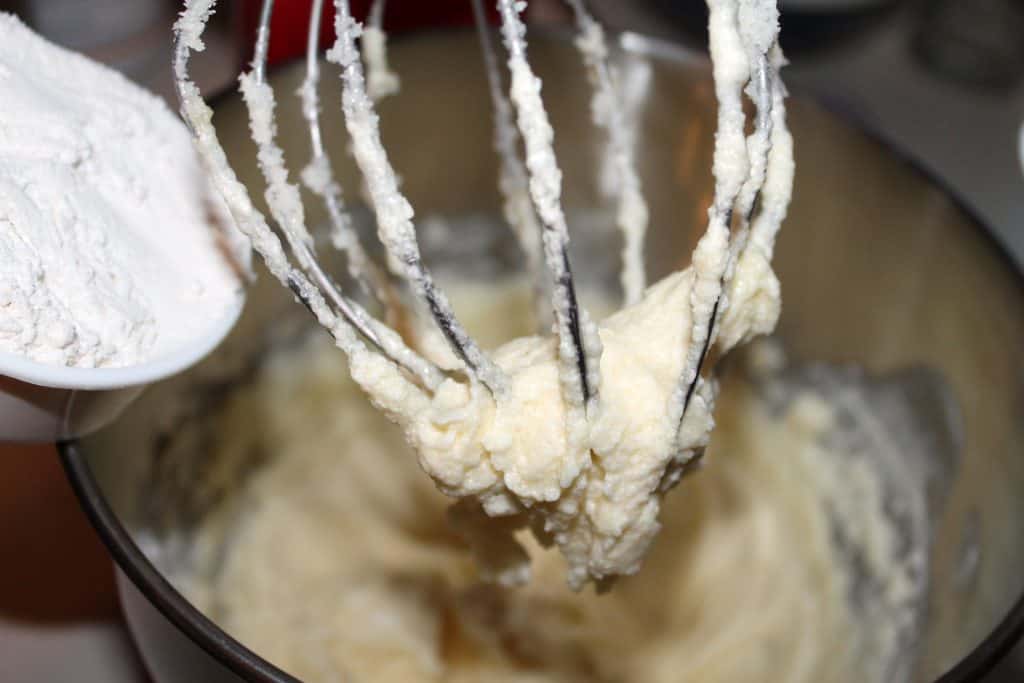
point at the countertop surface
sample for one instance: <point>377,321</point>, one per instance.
<point>59,619</point>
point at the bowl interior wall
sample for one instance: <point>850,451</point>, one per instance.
<point>877,265</point>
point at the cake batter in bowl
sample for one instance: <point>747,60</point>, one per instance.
<point>879,269</point>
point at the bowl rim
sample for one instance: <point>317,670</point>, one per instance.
<point>251,666</point>
<point>153,584</point>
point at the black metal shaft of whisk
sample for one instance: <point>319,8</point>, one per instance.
<point>513,179</point>
<point>568,314</point>
<point>398,235</point>
<point>763,81</point>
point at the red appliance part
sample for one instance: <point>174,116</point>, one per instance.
<point>290,20</point>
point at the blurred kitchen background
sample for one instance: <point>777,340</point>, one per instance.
<point>941,81</point>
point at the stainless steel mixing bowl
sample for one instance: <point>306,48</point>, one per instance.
<point>879,266</point>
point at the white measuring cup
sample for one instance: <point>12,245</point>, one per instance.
<point>40,402</point>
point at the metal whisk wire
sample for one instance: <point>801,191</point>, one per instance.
<point>318,175</point>
<point>395,226</point>
<point>394,214</point>
<point>252,223</point>
<point>531,187</point>
<point>576,346</point>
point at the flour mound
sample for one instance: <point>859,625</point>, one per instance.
<point>112,249</point>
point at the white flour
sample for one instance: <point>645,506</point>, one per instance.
<point>109,252</point>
